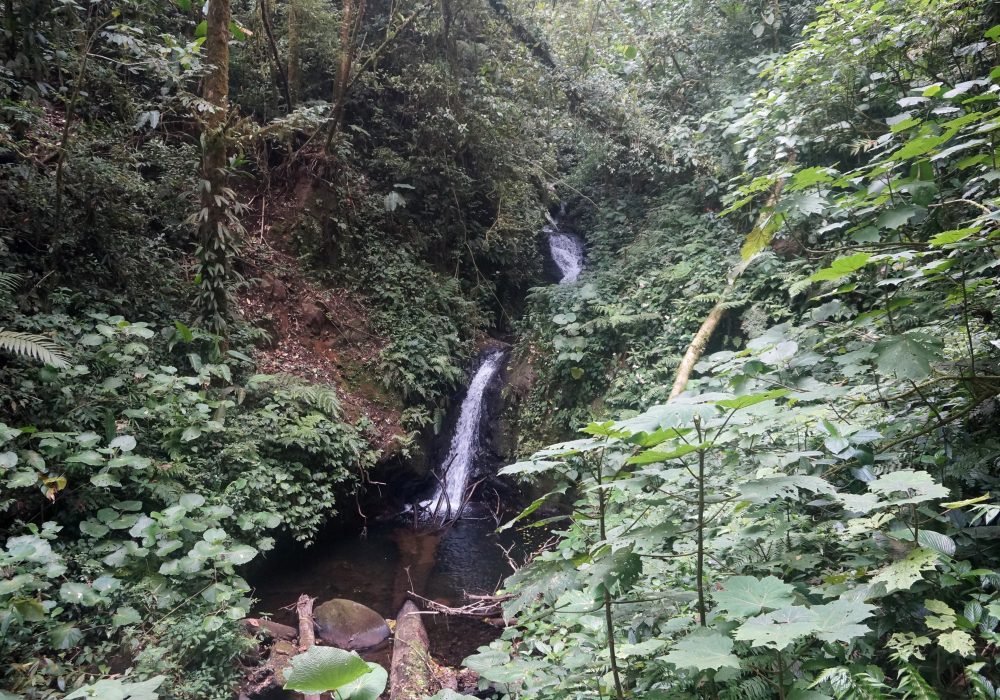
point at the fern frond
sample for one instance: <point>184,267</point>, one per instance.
<point>914,685</point>
<point>9,281</point>
<point>322,397</point>
<point>36,347</point>
<point>979,687</point>
<point>753,688</point>
<point>852,686</point>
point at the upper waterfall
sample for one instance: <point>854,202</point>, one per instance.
<point>567,253</point>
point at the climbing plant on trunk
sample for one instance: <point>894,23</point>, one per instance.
<point>217,220</point>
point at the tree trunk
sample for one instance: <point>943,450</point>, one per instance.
<point>410,676</point>
<point>294,58</point>
<point>265,18</point>
<point>708,326</point>
<point>697,346</point>
<point>350,23</point>
<point>214,242</point>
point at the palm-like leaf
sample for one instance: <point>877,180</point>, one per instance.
<point>9,281</point>
<point>36,347</point>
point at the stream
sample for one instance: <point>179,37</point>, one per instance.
<point>444,547</point>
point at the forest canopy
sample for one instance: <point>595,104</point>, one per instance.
<point>248,250</point>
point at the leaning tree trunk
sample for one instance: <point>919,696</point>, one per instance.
<point>214,233</point>
<point>350,24</point>
<point>698,344</point>
<point>294,54</point>
<point>279,68</point>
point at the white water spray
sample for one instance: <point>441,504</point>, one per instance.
<point>566,250</point>
<point>456,469</point>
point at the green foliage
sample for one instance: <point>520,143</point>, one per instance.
<point>157,487</point>
<point>320,669</point>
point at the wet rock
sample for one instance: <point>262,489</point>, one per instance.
<point>274,288</point>
<point>312,315</point>
<point>348,625</point>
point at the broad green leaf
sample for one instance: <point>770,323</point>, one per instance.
<point>840,621</point>
<point>908,486</point>
<point>610,570</point>
<point>544,581</point>
<point>241,554</point>
<point>778,629</point>
<point>192,500</point>
<point>957,642</point>
<point>918,146</point>
<point>93,528</point>
<point>320,669</point>
<point>65,636</point>
<point>953,236</point>
<point>367,687</point>
<point>902,574</point>
<point>77,593</point>
<point>126,615</point>
<point>653,456</point>
<point>745,595</point>
<point>751,399</point>
<point>898,216</point>
<point>841,267</point>
<point>760,237</point>
<point>125,443</point>
<point>906,356</point>
<point>770,488</point>
<point>89,457</point>
<point>105,479</point>
<point>704,649</point>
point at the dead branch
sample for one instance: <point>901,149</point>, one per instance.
<point>480,606</point>
<point>307,629</point>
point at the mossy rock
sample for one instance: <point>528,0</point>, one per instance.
<point>348,625</point>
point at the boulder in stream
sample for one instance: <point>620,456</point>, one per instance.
<point>348,625</point>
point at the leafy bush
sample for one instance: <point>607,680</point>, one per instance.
<point>126,538</point>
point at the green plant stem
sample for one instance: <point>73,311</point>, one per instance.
<point>608,618</point>
<point>781,676</point>
<point>700,563</point>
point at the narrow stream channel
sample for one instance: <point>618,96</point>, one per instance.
<point>391,561</point>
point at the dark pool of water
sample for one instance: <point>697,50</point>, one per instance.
<point>379,570</point>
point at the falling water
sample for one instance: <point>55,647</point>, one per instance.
<point>567,251</point>
<point>457,466</point>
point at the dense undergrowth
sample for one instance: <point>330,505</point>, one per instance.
<point>814,516</point>
<point>144,462</point>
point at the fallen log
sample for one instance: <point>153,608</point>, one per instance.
<point>274,630</point>
<point>307,629</point>
<point>411,672</point>
<point>271,675</point>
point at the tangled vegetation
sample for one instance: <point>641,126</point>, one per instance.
<point>814,516</point>
<point>782,353</point>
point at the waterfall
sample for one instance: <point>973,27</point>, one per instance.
<point>456,469</point>
<point>567,253</point>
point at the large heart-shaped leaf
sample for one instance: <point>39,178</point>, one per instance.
<point>320,669</point>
